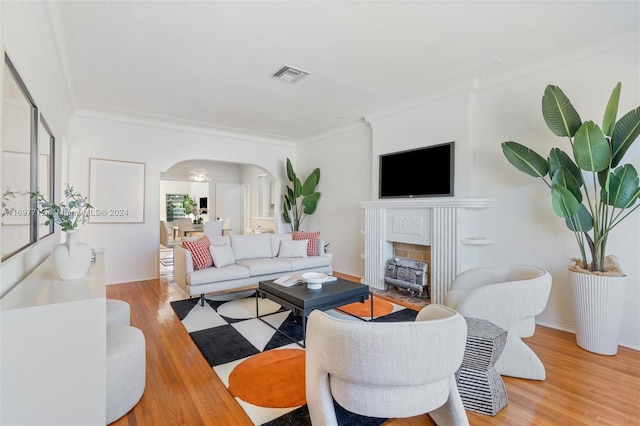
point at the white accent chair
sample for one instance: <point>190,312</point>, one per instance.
<point>510,297</point>
<point>212,229</point>
<point>389,370</point>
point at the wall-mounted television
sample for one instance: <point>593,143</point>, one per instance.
<point>422,172</point>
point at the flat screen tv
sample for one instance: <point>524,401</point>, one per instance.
<point>421,172</point>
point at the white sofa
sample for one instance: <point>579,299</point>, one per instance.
<point>256,259</point>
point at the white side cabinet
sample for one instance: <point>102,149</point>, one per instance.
<point>53,349</point>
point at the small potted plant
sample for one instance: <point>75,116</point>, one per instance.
<point>73,258</point>
<point>593,193</point>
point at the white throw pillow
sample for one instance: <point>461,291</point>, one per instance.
<point>222,255</point>
<point>293,248</point>
<point>251,246</point>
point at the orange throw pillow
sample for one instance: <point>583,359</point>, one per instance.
<point>312,247</point>
<point>199,252</point>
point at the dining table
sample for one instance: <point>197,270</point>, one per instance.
<point>188,230</point>
<point>194,229</point>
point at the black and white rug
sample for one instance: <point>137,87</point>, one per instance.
<point>263,369</point>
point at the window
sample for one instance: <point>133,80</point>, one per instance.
<point>27,165</point>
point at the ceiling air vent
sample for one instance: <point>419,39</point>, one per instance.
<point>290,74</point>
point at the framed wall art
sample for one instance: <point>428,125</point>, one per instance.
<point>116,191</point>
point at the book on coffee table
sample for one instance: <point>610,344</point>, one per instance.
<point>289,280</point>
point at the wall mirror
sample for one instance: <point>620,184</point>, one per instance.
<point>28,149</point>
<point>17,122</point>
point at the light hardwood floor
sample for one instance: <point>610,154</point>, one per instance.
<point>581,388</point>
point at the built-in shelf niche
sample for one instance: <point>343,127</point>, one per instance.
<point>443,223</point>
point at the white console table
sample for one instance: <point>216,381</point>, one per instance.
<point>53,349</point>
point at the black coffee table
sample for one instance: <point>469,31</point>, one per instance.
<point>302,300</point>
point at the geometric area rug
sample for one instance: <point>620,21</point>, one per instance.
<point>262,369</point>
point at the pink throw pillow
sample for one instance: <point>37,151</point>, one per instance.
<point>199,252</point>
<point>312,247</point>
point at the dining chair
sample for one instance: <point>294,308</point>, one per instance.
<point>166,236</point>
<point>184,223</point>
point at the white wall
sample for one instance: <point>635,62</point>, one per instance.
<point>440,120</point>
<point>27,38</point>
<point>344,159</point>
<point>132,249</point>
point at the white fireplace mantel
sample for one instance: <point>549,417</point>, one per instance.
<point>442,223</point>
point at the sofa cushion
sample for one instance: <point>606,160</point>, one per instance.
<point>293,248</point>
<point>300,263</point>
<point>212,275</point>
<point>275,242</point>
<point>312,248</point>
<point>265,266</point>
<point>199,252</point>
<point>220,240</point>
<point>251,246</point>
<point>222,255</point>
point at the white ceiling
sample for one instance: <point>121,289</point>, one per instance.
<point>209,62</point>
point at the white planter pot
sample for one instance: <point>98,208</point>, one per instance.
<point>597,304</point>
<point>71,259</point>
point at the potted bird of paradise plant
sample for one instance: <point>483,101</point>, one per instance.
<point>593,192</point>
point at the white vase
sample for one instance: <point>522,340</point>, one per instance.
<point>598,301</point>
<point>71,259</point>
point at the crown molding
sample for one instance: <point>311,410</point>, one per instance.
<point>180,126</point>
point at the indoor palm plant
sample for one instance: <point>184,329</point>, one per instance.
<point>593,192</point>
<point>73,258</point>
<point>300,199</point>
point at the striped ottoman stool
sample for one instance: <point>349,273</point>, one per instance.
<point>480,385</point>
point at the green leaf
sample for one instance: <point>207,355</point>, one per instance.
<point>525,159</point>
<point>563,201</point>
<point>563,177</point>
<point>311,182</point>
<point>560,159</point>
<point>625,134</point>
<point>291,175</point>
<point>297,188</point>
<point>580,222</point>
<point>623,187</point>
<point>285,217</point>
<point>311,203</point>
<point>311,198</point>
<point>610,113</point>
<point>591,148</point>
<point>561,117</point>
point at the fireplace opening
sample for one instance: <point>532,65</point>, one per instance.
<point>406,272</point>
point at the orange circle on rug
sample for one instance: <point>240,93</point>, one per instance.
<point>273,379</point>
<point>380,307</point>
